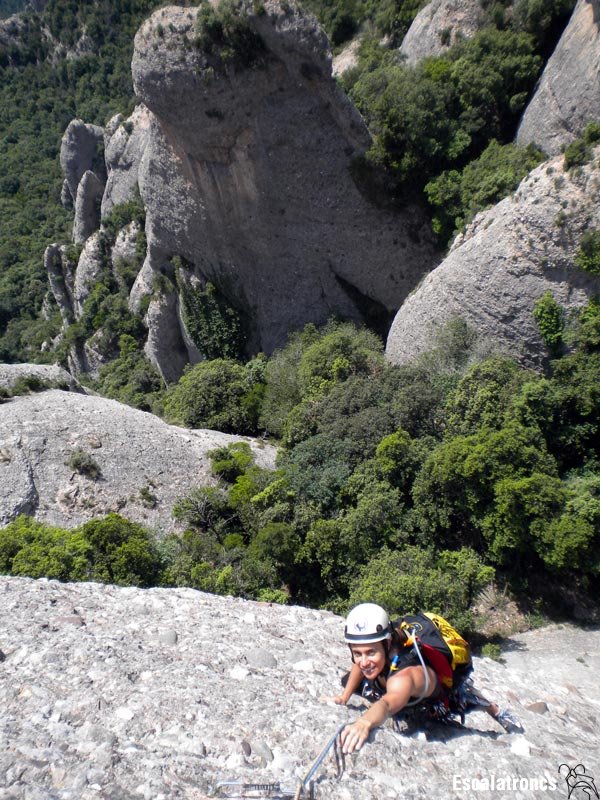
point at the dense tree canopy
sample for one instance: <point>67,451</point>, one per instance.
<point>371,499</point>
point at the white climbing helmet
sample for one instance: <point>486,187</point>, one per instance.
<point>367,623</point>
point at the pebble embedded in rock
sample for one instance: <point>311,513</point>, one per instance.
<point>168,637</point>
<point>246,748</point>
<point>260,658</point>
<point>538,708</point>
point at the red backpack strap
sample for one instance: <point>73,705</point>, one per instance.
<point>438,663</point>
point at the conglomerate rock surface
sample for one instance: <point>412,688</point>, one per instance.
<point>145,465</point>
<point>123,693</point>
<point>568,95</point>
<point>507,259</point>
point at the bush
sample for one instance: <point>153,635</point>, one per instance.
<point>483,395</point>
<point>282,387</point>
<point>122,215</point>
<point>34,549</point>
<point>442,113</point>
<point>335,548</point>
<point>341,352</point>
<point>33,383</point>
<point>279,544</point>
<point>231,461</point>
<point>120,552</point>
<point>456,487</point>
<point>131,378</point>
<point>54,553</point>
<point>579,152</point>
<point>109,550</point>
<point>311,366</point>
<point>213,394</point>
<point>84,464</point>
<point>224,31</point>
<point>205,509</point>
<point>571,542</point>
<point>588,254</point>
<point>214,325</point>
<point>522,507</point>
<point>550,320</point>
<point>316,469</point>
<point>415,579</point>
<point>456,197</point>
<point>566,409</point>
<point>493,651</point>
<point>542,18</point>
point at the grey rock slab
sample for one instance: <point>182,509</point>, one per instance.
<point>88,272</point>
<point>80,150</point>
<point>46,373</point>
<point>87,207</point>
<point>438,26</point>
<point>126,142</point>
<point>506,260</point>
<point>568,94</point>
<point>249,174</point>
<point>133,449</point>
<point>175,730</point>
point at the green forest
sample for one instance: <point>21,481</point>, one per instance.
<point>414,486</point>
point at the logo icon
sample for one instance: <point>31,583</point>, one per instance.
<point>581,785</point>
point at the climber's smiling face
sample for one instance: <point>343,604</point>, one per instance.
<point>370,658</point>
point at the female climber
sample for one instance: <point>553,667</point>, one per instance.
<point>389,670</point>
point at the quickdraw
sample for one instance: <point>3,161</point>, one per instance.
<point>235,790</point>
<point>339,762</point>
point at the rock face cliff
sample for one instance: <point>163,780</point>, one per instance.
<point>120,694</point>
<point>506,260</point>
<point>248,176</point>
<point>568,95</point>
<point>247,161</point>
<point>145,465</point>
<point>438,26</point>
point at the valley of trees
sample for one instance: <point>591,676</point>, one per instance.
<point>411,486</point>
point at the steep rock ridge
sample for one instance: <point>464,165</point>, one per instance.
<point>81,150</point>
<point>509,257</point>
<point>87,207</point>
<point>125,693</point>
<point>45,373</point>
<point>61,277</point>
<point>125,143</point>
<point>438,26</point>
<point>568,95</point>
<point>247,175</point>
<point>133,449</point>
